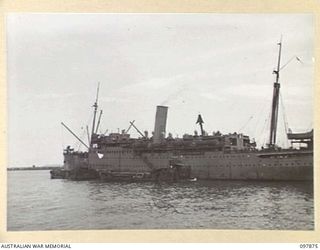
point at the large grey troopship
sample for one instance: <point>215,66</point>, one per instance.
<point>117,156</point>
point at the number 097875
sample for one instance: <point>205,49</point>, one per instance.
<point>308,246</point>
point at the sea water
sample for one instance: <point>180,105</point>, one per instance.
<point>35,202</point>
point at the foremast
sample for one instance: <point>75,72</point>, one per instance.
<point>95,106</point>
<point>275,103</point>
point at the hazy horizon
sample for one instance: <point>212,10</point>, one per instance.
<point>219,65</point>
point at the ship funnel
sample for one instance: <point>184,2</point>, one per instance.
<point>160,124</point>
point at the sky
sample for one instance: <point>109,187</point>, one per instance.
<point>216,65</point>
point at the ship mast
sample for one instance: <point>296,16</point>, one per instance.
<point>275,103</point>
<point>95,105</point>
<point>99,121</point>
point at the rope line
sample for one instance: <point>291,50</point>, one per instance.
<point>62,137</point>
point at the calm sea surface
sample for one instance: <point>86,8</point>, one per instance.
<point>35,202</point>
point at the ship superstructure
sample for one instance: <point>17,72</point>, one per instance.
<point>230,156</point>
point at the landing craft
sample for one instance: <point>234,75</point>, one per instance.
<point>117,156</point>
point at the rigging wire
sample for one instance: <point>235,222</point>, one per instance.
<point>88,120</point>
<point>264,136</point>
<point>84,131</point>
<point>62,138</point>
<point>76,144</point>
<point>294,57</point>
<point>285,121</point>
<point>260,116</point>
<point>247,122</point>
<point>82,138</point>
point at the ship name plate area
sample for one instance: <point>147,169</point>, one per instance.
<point>35,246</point>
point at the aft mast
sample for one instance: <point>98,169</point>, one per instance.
<point>275,103</point>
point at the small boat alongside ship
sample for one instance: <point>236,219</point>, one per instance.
<point>118,157</point>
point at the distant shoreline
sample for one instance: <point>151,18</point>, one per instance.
<point>33,168</point>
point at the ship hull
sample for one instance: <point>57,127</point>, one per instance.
<point>251,166</point>
<point>287,165</point>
